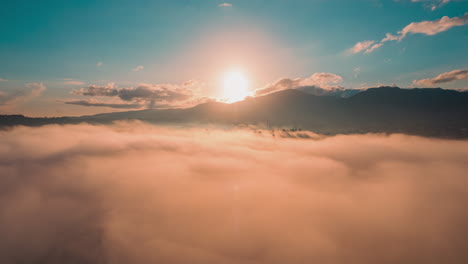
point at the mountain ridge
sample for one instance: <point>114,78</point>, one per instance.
<point>421,111</point>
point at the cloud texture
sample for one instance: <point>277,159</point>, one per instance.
<point>134,193</point>
<point>424,27</point>
<point>319,84</point>
<point>29,91</point>
<point>143,95</point>
<point>443,78</point>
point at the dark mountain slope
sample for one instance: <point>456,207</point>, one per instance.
<point>428,112</point>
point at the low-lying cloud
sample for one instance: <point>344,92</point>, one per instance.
<point>445,77</point>
<point>320,83</point>
<point>135,193</point>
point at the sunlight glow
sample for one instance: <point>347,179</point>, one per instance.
<point>236,87</point>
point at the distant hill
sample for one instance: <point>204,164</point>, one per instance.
<point>428,112</point>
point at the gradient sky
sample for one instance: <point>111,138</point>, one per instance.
<point>68,45</point>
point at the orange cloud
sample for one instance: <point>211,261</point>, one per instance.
<point>134,193</point>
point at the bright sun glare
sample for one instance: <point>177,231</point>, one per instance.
<point>236,86</point>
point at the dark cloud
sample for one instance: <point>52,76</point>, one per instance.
<point>134,193</point>
<point>151,95</point>
<point>104,104</point>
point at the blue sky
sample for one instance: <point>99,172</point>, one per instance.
<point>70,45</point>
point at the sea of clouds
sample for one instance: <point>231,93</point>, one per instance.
<point>137,193</point>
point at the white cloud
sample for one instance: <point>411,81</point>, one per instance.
<point>443,78</point>
<point>99,64</point>
<point>139,68</point>
<point>3,80</point>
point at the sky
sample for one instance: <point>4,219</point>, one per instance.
<point>85,57</point>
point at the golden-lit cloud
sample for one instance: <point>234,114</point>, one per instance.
<point>320,82</point>
<point>361,46</point>
<point>445,77</point>
<point>134,193</point>
<point>424,27</point>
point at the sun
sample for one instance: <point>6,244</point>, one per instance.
<point>236,86</point>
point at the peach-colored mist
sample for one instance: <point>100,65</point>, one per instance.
<point>136,193</point>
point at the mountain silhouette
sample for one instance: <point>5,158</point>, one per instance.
<point>428,111</point>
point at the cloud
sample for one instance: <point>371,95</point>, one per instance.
<point>318,83</point>
<point>374,47</point>
<point>134,193</point>
<point>138,68</point>
<point>357,72</point>
<point>74,82</point>
<point>443,78</point>
<point>98,103</point>
<point>433,4</point>
<point>99,64</point>
<point>361,46</point>
<point>30,91</point>
<point>225,5</point>
<point>3,80</point>
<point>425,27</point>
<point>433,27</point>
<point>150,95</point>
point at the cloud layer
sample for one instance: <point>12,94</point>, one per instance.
<point>133,193</point>
<point>443,78</point>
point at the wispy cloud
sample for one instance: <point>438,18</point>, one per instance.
<point>225,5</point>
<point>138,68</point>
<point>99,64</point>
<point>443,78</point>
<point>28,92</point>
<point>433,4</point>
<point>424,27</point>
<point>3,80</point>
<point>74,82</point>
<point>361,46</point>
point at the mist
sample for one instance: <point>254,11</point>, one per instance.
<point>137,193</point>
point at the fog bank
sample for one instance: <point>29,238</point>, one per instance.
<point>136,193</point>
